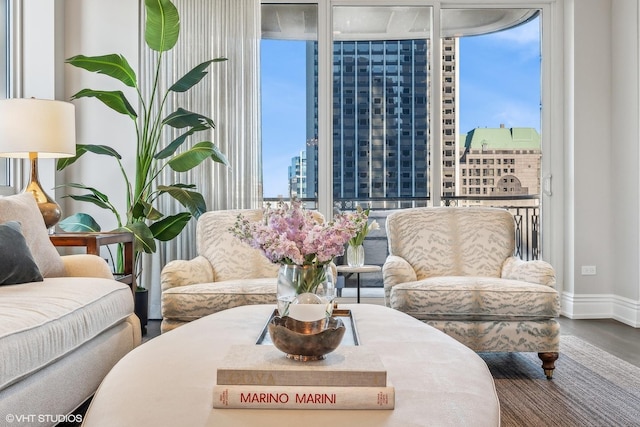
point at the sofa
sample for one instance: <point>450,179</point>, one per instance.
<point>454,269</point>
<point>64,320</point>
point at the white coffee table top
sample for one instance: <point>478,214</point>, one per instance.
<point>168,381</point>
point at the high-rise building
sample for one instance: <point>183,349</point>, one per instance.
<point>298,176</point>
<point>380,119</point>
<point>449,116</point>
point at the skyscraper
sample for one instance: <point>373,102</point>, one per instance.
<point>380,119</point>
<point>297,174</point>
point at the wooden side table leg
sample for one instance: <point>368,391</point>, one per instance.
<point>128,264</point>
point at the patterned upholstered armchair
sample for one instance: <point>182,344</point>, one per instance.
<point>454,269</point>
<point>226,273</point>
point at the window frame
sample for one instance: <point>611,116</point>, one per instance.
<point>552,106</point>
<point>10,46</point>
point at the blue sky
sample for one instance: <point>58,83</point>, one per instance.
<point>283,110</point>
<point>499,84</point>
<point>500,79</point>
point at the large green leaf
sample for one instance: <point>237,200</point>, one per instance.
<point>183,118</point>
<point>173,146</point>
<point>101,198</point>
<point>191,200</point>
<point>112,99</point>
<point>112,65</point>
<point>79,223</point>
<point>162,27</point>
<point>104,150</point>
<point>176,143</point>
<point>145,210</point>
<point>194,76</point>
<point>143,237</point>
<point>89,198</point>
<point>168,228</point>
<point>84,148</point>
<point>196,155</point>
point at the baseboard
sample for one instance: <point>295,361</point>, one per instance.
<point>601,306</point>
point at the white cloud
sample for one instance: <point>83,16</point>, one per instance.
<point>524,34</point>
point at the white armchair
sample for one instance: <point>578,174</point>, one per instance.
<point>454,269</point>
<point>226,273</point>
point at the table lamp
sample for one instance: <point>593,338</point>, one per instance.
<point>33,128</point>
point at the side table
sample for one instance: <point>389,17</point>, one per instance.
<point>348,271</point>
<point>92,243</point>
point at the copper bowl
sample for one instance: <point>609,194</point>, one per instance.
<point>306,341</point>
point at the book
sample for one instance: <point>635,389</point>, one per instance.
<point>302,397</point>
<point>347,366</point>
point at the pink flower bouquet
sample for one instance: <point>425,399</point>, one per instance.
<point>292,235</point>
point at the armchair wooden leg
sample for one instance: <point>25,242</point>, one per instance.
<point>548,362</point>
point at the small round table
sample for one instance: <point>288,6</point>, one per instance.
<point>347,271</point>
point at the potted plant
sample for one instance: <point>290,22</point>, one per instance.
<point>162,29</point>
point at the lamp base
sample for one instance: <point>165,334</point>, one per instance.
<point>49,209</point>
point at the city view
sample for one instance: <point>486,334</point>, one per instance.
<point>498,79</point>
<point>382,146</point>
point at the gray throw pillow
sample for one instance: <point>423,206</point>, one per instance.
<point>24,209</point>
<point>17,264</point>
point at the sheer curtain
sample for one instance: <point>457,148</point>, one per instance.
<point>230,96</point>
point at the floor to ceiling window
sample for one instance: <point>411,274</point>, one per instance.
<point>381,92</point>
<point>289,104</point>
<point>397,134</point>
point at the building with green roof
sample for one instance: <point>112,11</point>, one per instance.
<point>499,162</point>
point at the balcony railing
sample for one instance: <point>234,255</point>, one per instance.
<point>525,210</point>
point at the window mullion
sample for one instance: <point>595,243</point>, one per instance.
<point>325,122</point>
<point>435,111</point>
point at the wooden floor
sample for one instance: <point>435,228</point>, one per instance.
<point>621,340</point>
<point>614,337</point>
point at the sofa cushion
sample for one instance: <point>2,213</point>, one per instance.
<point>475,298</point>
<point>192,302</point>
<point>17,264</point>
<point>24,209</point>
<point>42,322</point>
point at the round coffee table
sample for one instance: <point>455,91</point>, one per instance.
<point>169,380</point>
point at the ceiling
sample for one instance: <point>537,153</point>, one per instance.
<point>299,22</point>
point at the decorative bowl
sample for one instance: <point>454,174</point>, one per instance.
<point>306,341</point>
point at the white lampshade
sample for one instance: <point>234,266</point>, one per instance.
<point>41,126</point>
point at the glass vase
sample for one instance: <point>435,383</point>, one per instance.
<point>355,256</point>
<point>305,292</point>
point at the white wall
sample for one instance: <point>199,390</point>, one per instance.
<point>100,27</point>
<point>604,153</point>
<point>625,153</point>
<point>592,153</point>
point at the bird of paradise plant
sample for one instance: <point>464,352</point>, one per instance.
<point>162,29</point>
